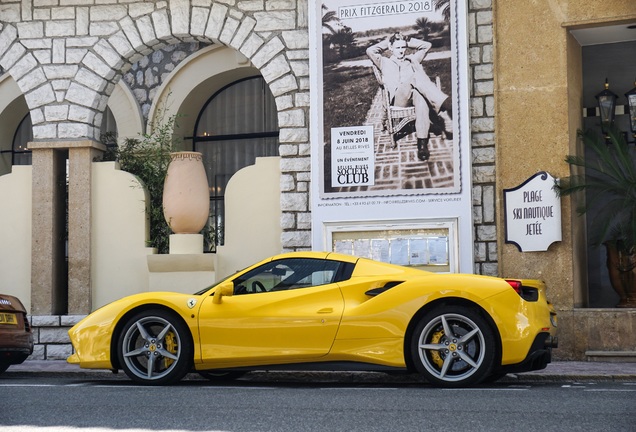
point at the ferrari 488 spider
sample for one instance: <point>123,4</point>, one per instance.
<point>326,311</point>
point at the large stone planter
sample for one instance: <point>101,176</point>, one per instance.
<point>621,266</point>
<point>186,197</point>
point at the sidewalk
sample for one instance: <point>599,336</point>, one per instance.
<point>556,371</point>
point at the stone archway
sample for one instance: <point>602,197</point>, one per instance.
<point>66,62</point>
<point>12,110</point>
<point>186,89</point>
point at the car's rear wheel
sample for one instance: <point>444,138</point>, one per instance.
<point>453,346</point>
<point>155,348</point>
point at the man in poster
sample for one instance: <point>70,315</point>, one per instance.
<point>408,85</point>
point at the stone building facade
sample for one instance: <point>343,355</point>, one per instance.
<point>67,59</point>
<point>68,56</point>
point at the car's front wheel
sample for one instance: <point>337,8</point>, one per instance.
<point>453,346</point>
<point>155,348</point>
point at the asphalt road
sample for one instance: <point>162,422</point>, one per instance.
<point>113,404</point>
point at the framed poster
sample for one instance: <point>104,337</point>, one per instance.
<point>390,125</point>
<point>389,89</point>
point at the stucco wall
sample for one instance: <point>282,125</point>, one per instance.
<point>252,231</point>
<point>538,110</point>
<point>15,234</point>
<point>119,232</point>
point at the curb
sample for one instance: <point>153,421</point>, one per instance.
<point>555,372</point>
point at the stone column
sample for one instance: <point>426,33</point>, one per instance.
<point>48,267</point>
<point>49,291</point>
<point>81,156</point>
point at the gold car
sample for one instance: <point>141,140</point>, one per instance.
<point>321,310</point>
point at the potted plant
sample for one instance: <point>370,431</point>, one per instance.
<point>610,176</point>
<point>148,158</point>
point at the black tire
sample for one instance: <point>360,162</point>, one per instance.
<point>155,348</point>
<point>221,376</point>
<point>453,346</point>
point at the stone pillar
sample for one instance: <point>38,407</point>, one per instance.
<point>81,156</point>
<point>48,266</point>
<point>49,291</point>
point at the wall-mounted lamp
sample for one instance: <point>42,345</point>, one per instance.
<point>607,107</point>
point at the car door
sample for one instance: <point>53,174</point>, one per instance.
<point>284,310</point>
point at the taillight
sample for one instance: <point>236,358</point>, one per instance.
<point>27,324</point>
<point>526,293</point>
<point>516,285</point>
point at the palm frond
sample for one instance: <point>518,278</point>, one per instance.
<point>444,7</point>
<point>610,183</point>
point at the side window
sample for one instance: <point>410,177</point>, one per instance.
<point>288,274</point>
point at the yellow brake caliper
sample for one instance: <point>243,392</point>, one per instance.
<point>435,357</point>
<point>171,346</point>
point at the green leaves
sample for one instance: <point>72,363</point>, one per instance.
<point>148,158</point>
<point>610,180</point>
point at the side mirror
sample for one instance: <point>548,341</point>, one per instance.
<point>226,289</point>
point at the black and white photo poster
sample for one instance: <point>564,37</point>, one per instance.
<point>389,68</point>
<point>390,130</point>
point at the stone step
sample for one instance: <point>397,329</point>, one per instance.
<point>611,356</point>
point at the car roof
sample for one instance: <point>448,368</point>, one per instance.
<point>317,255</point>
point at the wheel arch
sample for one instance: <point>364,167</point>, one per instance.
<point>448,301</point>
<point>114,359</point>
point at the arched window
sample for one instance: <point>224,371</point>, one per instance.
<point>21,155</point>
<point>108,129</point>
<point>236,125</point>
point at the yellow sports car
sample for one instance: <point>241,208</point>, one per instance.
<point>326,311</point>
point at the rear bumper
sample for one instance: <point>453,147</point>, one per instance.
<point>539,355</point>
<point>15,347</point>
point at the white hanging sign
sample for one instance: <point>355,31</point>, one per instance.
<point>533,214</point>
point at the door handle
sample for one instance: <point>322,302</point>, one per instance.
<point>325,310</point>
